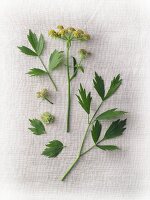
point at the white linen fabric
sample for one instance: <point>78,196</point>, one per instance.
<point>120,43</point>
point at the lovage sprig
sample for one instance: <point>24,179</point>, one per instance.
<point>95,122</point>
<point>37,45</point>
<point>69,35</point>
<point>115,129</point>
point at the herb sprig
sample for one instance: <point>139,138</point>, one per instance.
<point>38,44</point>
<point>69,35</point>
<point>115,129</point>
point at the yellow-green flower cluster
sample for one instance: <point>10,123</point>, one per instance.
<point>69,33</point>
<point>42,94</point>
<point>47,118</point>
<point>83,53</point>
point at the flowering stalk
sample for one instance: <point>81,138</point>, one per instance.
<point>69,83</point>
<point>69,35</point>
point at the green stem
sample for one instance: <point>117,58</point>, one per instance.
<point>48,73</point>
<point>70,168</point>
<point>91,148</point>
<point>48,100</point>
<point>69,93</point>
<point>82,145</point>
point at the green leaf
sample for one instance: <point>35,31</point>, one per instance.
<point>75,66</point>
<point>55,59</point>
<point>84,99</point>
<point>110,114</point>
<point>36,72</point>
<point>115,84</point>
<point>40,45</point>
<point>27,51</point>
<point>99,85</point>
<point>53,149</point>
<point>116,129</point>
<point>33,40</point>
<point>37,127</point>
<point>96,131</point>
<point>108,147</point>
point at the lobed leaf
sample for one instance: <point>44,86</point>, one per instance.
<point>27,51</point>
<point>116,129</point>
<point>55,59</point>
<point>53,149</point>
<point>36,72</point>
<point>37,127</point>
<point>110,114</point>
<point>96,131</point>
<point>40,45</point>
<point>99,85</point>
<point>84,99</point>
<point>115,84</point>
<point>32,38</point>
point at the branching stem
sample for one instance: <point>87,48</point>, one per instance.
<point>82,145</point>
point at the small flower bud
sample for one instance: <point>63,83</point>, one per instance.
<point>76,34</point>
<point>80,31</point>
<point>60,27</point>
<point>86,36</point>
<point>53,33</point>
<point>62,32</point>
<point>83,53</point>
<point>70,29</point>
<point>42,94</point>
<point>47,118</point>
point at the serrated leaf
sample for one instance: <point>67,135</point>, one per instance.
<point>37,127</point>
<point>33,40</point>
<point>55,59</point>
<point>40,45</point>
<point>116,129</point>
<point>84,99</point>
<point>108,147</point>
<point>53,149</point>
<point>115,84</point>
<point>96,131</point>
<point>27,51</point>
<point>110,114</point>
<point>36,72</point>
<point>99,85</point>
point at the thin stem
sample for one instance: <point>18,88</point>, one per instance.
<point>91,147</point>
<point>48,73</point>
<point>70,168</point>
<point>81,147</point>
<point>48,100</point>
<point>84,138</point>
<point>88,118</point>
<point>69,93</point>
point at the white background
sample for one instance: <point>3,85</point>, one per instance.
<point>120,31</point>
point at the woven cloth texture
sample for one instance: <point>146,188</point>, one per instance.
<point>120,44</point>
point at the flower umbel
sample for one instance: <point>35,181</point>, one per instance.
<point>69,33</point>
<point>47,118</point>
<point>43,93</point>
